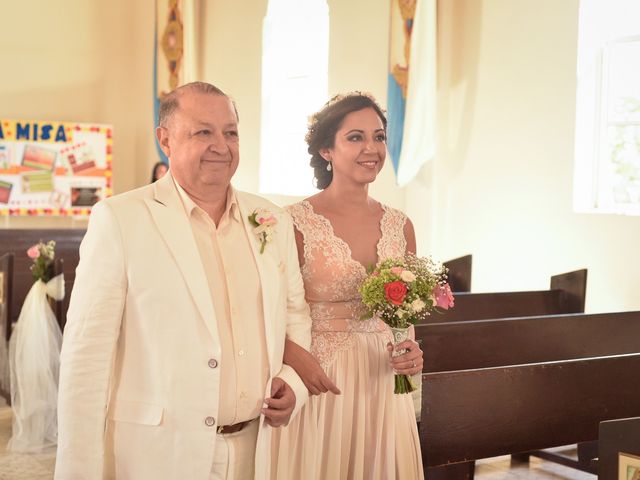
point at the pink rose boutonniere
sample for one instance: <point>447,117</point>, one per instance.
<point>264,223</point>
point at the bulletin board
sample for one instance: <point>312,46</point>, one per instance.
<point>53,168</point>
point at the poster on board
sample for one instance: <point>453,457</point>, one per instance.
<point>53,168</point>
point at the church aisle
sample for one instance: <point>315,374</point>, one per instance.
<point>40,466</point>
<point>498,468</point>
<point>20,466</point>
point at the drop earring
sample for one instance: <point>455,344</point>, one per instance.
<point>329,166</point>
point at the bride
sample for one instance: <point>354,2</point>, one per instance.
<point>361,430</point>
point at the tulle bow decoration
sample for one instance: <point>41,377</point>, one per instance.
<point>55,287</point>
<point>34,363</point>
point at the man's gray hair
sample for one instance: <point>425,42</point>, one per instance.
<point>170,102</point>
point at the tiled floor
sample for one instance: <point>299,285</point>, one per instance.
<point>21,466</point>
<point>499,468</point>
<point>40,466</point>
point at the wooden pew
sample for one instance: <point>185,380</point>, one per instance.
<point>19,240</point>
<point>6,275</point>
<point>493,343</point>
<point>617,436</point>
<point>481,413</point>
<point>6,294</point>
<point>460,273</point>
<point>566,295</point>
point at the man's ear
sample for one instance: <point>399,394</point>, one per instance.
<point>162,134</point>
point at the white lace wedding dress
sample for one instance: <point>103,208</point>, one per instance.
<point>366,432</point>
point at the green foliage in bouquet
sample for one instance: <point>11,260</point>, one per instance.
<point>404,291</point>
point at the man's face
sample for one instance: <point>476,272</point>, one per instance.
<point>201,141</point>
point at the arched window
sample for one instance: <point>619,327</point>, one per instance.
<point>607,177</point>
<point>295,60</point>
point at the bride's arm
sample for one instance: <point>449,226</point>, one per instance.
<point>410,236</point>
<point>308,369</point>
<point>305,365</point>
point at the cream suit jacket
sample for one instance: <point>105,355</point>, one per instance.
<point>138,381</point>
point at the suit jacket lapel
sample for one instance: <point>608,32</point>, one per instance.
<point>168,213</point>
<point>267,271</point>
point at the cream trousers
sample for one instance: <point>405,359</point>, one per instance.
<point>235,454</point>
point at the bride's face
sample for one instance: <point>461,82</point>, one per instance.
<point>359,148</point>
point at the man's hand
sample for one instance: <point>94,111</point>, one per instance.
<point>281,403</point>
<point>308,369</point>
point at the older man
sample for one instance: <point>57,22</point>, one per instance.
<point>171,365</point>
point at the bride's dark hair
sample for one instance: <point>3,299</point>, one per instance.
<point>324,124</point>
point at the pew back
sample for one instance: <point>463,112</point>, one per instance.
<point>616,436</point>
<point>566,295</point>
<point>474,414</point>
<point>460,273</point>
<point>502,342</point>
<point>6,287</point>
<point>6,274</point>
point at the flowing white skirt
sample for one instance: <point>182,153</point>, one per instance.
<point>34,361</point>
<point>367,432</point>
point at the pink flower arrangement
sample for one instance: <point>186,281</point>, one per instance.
<point>42,255</point>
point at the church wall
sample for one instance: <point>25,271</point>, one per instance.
<point>501,185</point>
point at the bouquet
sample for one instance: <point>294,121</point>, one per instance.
<point>42,255</point>
<point>404,291</point>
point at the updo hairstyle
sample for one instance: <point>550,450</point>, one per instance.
<point>324,124</point>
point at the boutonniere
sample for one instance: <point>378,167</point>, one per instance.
<point>264,223</point>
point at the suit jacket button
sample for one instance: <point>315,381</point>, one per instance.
<point>213,363</point>
<point>209,421</point>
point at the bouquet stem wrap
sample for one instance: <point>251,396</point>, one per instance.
<point>403,383</point>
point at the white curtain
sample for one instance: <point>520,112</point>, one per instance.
<point>418,138</point>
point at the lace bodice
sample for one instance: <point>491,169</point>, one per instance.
<point>332,277</point>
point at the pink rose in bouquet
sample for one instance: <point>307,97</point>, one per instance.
<point>442,296</point>
<point>42,255</point>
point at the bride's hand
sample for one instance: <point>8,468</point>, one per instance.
<point>408,363</point>
<point>308,369</point>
